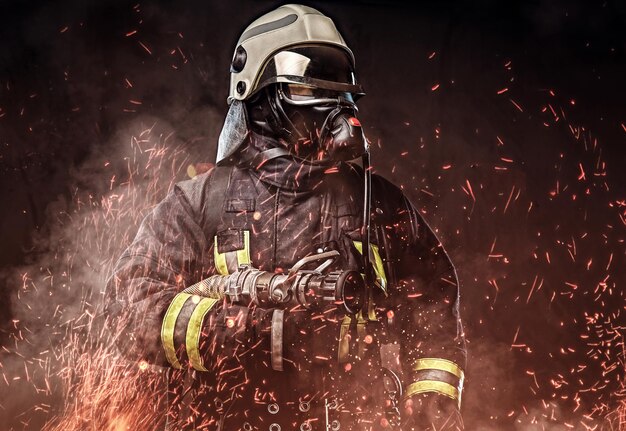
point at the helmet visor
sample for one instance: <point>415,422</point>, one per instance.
<point>319,66</point>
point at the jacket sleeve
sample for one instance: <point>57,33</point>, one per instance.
<point>432,344</point>
<point>149,316</point>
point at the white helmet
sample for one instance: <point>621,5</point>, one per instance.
<point>293,44</point>
<point>276,47</point>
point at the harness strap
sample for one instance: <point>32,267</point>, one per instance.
<point>277,339</point>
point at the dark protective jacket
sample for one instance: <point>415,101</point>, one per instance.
<point>218,353</point>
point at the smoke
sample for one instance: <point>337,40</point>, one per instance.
<point>60,357</point>
<point>91,139</point>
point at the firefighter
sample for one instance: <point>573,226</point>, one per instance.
<point>288,288</point>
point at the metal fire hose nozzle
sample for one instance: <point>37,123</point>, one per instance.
<point>310,288</point>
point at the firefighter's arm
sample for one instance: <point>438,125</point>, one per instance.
<point>150,316</point>
<point>432,345</point>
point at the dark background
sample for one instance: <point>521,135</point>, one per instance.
<point>505,122</point>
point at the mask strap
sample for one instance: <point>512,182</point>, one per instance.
<point>279,113</point>
<point>329,119</point>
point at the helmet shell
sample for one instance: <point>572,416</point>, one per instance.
<point>287,26</point>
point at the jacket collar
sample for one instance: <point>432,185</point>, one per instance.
<point>279,169</point>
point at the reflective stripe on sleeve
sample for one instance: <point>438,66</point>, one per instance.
<point>167,328</point>
<point>439,364</point>
<point>424,386</point>
<point>194,330</point>
<point>437,375</point>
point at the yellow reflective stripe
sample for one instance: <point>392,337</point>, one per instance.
<point>220,259</point>
<point>379,269</point>
<point>423,386</point>
<point>359,246</point>
<point>344,340</point>
<point>381,278</point>
<point>343,351</point>
<point>167,328</point>
<point>243,256</point>
<point>194,329</point>
<point>439,364</point>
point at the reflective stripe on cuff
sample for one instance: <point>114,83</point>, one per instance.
<point>194,330</point>
<point>167,329</point>
<point>439,364</point>
<point>424,386</point>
